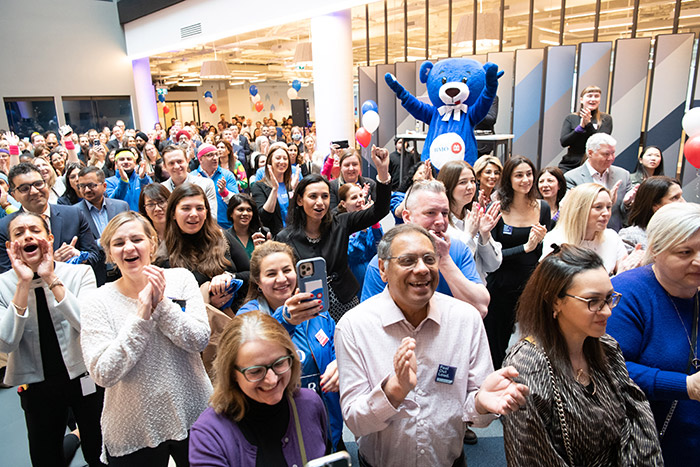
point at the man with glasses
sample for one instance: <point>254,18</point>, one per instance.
<point>426,205</point>
<point>98,211</point>
<point>68,225</point>
<point>415,365</point>
<point>224,181</point>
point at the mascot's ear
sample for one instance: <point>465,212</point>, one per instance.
<point>425,71</point>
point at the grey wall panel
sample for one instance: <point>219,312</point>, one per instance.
<point>558,86</point>
<point>386,101</point>
<point>627,97</point>
<point>527,102</point>
<point>594,69</point>
<point>406,75</point>
<point>667,100</point>
<point>505,62</point>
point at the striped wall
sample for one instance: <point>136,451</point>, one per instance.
<point>539,88</point>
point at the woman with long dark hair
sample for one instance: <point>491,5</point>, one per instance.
<point>314,230</point>
<point>195,242</point>
<point>551,186</point>
<point>523,224</point>
<point>650,163</point>
<point>71,196</point>
<point>576,373</point>
<point>652,194</point>
<point>247,230</point>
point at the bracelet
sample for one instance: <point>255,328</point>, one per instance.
<point>21,309</point>
<point>384,182</point>
<point>55,283</point>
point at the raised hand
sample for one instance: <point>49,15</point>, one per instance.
<point>258,239</point>
<point>380,157</point>
<point>142,168</point>
<point>221,185</point>
<point>537,233</point>
<point>405,364</point>
<point>67,251</point>
<point>45,269</point>
<point>585,115</point>
<point>273,180</point>
<point>613,192</point>
<point>489,220</point>
<point>472,221</point>
<point>302,307</point>
<point>24,272</point>
<point>156,279</point>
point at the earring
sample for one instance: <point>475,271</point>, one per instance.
<point>555,314</point>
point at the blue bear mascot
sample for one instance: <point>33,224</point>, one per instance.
<point>461,91</point>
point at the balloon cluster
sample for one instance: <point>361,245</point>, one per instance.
<point>370,123</point>
<point>161,98</point>
<point>255,97</point>
<point>691,125</point>
<point>292,92</point>
<point>209,99</point>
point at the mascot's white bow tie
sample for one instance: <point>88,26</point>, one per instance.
<point>452,110</point>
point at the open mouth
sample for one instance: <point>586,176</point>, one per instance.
<point>419,284</point>
<point>132,259</point>
<point>32,247</point>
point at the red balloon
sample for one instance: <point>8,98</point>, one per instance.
<point>363,137</point>
<point>259,106</point>
<point>692,151</point>
<point>166,109</point>
<point>212,108</point>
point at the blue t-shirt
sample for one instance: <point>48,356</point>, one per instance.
<point>283,202</point>
<point>460,254</point>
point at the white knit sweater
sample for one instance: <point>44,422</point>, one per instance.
<point>156,385</point>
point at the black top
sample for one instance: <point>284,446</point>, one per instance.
<point>576,142</point>
<point>333,245</point>
<point>264,426</point>
<point>51,356</point>
<point>260,191</point>
<point>335,186</point>
<point>517,266</point>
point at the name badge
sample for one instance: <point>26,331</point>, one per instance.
<point>321,337</point>
<point>507,230</point>
<point>446,374</point>
<point>87,385</point>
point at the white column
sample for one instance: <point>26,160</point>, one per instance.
<point>146,111</point>
<point>331,45</point>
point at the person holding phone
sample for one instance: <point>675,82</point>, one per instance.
<point>273,291</point>
<point>578,127</point>
<point>314,230</point>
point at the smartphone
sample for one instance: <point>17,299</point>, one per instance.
<point>338,459</point>
<point>341,144</point>
<point>312,278</point>
<point>96,142</point>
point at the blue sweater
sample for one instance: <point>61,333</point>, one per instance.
<point>361,249</point>
<point>656,349</point>
<point>127,191</point>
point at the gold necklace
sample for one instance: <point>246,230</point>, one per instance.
<point>581,373</point>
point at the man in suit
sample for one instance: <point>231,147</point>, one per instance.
<point>598,168</point>
<point>98,211</point>
<point>68,225</point>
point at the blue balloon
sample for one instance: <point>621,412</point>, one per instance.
<point>208,94</point>
<point>253,90</point>
<point>369,105</point>
<point>296,85</point>
<point>161,98</point>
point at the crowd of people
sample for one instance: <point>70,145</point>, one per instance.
<point>151,299</point>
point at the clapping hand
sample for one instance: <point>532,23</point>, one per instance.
<point>585,115</point>
<point>537,233</point>
<point>489,221</point>
<point>499,394</point>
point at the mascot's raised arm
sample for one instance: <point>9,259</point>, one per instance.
<point>461,91</point>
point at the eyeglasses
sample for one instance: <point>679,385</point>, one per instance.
<point>89,186</point>
<point>410,261</point>
<point>24,189</point>
<point>152,205</point>
<point>258,372</point>
<point>597,304</point>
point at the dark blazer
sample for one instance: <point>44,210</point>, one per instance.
<point>273,221</point>
<point>114,207</point>
<point>575,142</point>
<point>66,222</point>
<point>581,175</point>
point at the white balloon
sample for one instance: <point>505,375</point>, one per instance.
<point>255,98</point>
<point>445,148</point>
<point>370,121</point>
<point>291,93</point>
<point>209,100</point>
<point>691,122</point>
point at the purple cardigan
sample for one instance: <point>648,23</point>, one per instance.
<point>217,441</point>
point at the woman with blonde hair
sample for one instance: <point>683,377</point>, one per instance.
<point>487,170</point>
<point>578,127</point>
<point>584,222</point>
<point>141,338</point>
<point>258,415</point>
<point>56,185</point>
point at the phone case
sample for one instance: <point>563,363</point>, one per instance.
<point>312,278</point>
